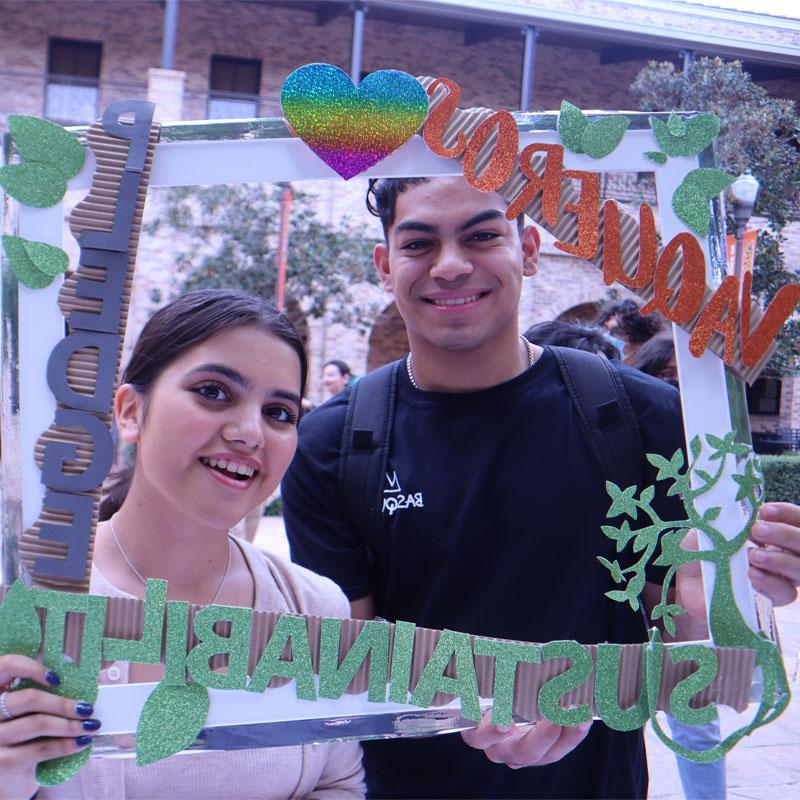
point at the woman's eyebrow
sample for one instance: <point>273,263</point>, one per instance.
<point>226,372</point>
<point>286,395</point>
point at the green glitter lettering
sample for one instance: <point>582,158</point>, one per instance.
<point>372,641</point>
<point>236,644</point>
<point>456,646</point>
<point>146,650</point>
<point>506,657</point>
<point>606,692</point>
<point>299,668</point>
<point>683,691</point>
<point>402,657</point>
<point>553,690</point>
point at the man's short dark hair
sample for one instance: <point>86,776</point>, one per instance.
<point>382,194</point>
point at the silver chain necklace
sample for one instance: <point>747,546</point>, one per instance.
<point>410,371</point>
<point>142,578</point>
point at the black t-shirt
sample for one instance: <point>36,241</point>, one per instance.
<point>493,503</point>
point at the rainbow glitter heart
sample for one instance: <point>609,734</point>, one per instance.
<point>351,128</point>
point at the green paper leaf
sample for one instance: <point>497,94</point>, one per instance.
<point>715,441</point>
<point>171,720</point>
<point>613,567</point>
<point>44,142</point>
<point>46,258</point>
<point>58,770</point>
<point>657,156</point>
<point>20,629</point>
<point>675,125</point>
<point>571,125</point>
<point>603,136</point>
<point>22,265</point>
<point>647,494</point>
<point>709,181</point>
<point>699,132</point>
<point>695,446</point>
<point>712,513</point>
<point>618,595</point>
<point>704,476</point>
<point>691,206</point>
<point>33,184</point>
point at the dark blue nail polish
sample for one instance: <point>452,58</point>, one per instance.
<point>84,709</point>
<point>82,741</point>
<point>90,724</point>
<point>52,678</point>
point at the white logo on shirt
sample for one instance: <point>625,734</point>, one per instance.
<point>394,499</point>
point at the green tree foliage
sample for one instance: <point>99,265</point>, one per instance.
<point>759,134</point>
<point>231,235</point>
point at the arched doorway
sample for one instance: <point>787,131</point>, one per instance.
<point>583,313</point>
<point>388,340</point>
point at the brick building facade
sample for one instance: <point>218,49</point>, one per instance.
<point>68,59</point>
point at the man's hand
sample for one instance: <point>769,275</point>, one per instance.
<point>530,745</point>
<point>775,563</point>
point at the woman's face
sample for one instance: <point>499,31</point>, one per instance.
<point>219,427</point>
<point>332,379</point>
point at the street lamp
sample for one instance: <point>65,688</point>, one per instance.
<point>743,190</point>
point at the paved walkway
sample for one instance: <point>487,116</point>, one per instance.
<point>764,766</point>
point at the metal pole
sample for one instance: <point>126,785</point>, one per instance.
<point>170,31</point>
<point>359,12</point>
<point>688,57</point>
<point>528,59</point>
<point>283,246</point>
<point>739,255</point>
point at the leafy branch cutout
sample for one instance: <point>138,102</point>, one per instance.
<point>596,139</point>
<point>727,625</point>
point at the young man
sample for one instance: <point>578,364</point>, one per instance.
<point>504,533</point>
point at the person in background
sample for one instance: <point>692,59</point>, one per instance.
<point>656,357</point>
<point>570,334</point>
<point>624,321</point>
<point>336,375</point>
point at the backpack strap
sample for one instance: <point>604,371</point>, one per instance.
<point>605,412</point>
<point>366,441</point>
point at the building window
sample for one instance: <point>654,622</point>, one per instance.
<point>73,79</point>
<point>234,86</point>
<point>764,396</point>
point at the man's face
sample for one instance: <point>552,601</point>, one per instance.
<point>455,265</point>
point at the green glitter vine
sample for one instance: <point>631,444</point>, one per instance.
<point>728,626</point>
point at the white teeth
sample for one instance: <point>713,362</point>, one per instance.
<point>457,301</point>
<point>230,466</point>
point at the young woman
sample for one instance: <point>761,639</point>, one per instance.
<point>210,400</point>
<point>336,376</point>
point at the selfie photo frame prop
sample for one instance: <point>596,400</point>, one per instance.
<point>265,151</point>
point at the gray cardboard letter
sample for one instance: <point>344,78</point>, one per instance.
<point>119,238</point>
<point>138,133</point>
<point>107,344</point>
<point>56,453</point>
<point>75,535</point>
<point>109,291</point>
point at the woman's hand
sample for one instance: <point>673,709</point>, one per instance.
<point>36,726</point>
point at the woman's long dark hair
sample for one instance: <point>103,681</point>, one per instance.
<point>183,324</point>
